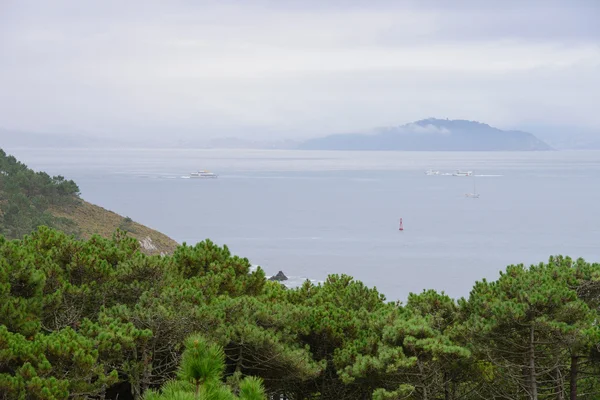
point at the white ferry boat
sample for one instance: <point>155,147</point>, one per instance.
<point>203,174</point>
<point>462,173</point>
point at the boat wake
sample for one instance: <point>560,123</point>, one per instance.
<point>297,281</point>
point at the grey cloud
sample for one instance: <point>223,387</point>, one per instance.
<point>293,68</point>
<point>477,19</point>
<point>428,129</point>
<point>543,22</point>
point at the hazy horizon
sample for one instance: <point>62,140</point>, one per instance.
<point>282,70</point>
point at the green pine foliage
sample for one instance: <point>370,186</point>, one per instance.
<point>200,376</point>
<point>201,362</point>
<point>98,319</point>
<point>25,197</point>
<point>533,327</point>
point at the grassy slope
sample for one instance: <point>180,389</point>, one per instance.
<point>90,219</point>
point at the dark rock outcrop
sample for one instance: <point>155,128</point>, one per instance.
<point>279,277</point>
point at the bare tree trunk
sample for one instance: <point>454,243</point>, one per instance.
<point>422,378</point>
<point>238,364</point>
<point>446,389</point>
<point>573,377</point>
<point>532,376</point>
<point>453,390</point>
<point>146,370</point>
<point>136,390</point>
<point>559,384</point>
<point>526,375</point>
<point>102,395</point>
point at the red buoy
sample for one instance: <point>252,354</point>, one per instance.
<point>401,226</point>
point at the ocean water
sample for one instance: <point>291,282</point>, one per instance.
<point>311,213</point>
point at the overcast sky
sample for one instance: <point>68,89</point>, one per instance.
<point>291,69</point>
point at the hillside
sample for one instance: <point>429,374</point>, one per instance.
<point>90,219</point>
<point>30,199</point>
<point>431,135</point>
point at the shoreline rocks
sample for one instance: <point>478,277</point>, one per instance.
<point>279,277</point>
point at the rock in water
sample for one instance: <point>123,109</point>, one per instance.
<point>279,277</point>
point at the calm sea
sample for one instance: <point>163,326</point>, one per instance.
<point>311,214</point>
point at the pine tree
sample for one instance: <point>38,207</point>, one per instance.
<point>527,324</point>
<point>200,376</point>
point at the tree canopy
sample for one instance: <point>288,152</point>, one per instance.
<point>25,197</point>
<point>98,318</point>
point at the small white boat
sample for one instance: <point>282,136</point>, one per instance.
<point>203,174</point>
<point>462,173</point>
<point>432,172</point>
<point>473,195</point>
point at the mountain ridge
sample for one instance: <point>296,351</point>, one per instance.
<point>431,134</point>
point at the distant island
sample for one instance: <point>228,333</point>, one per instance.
<point>427,135</point>
<point>432,134</point>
